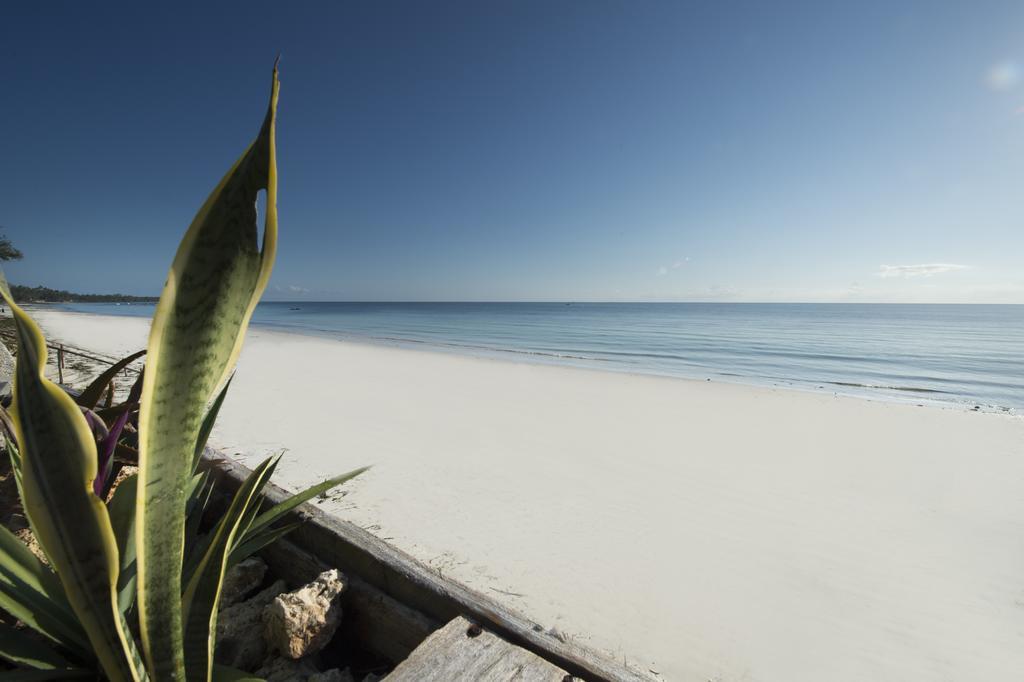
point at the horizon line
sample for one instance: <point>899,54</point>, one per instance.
<point>566,302</point>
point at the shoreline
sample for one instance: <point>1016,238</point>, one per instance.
<point>900,395</point>
<point>704,530</point>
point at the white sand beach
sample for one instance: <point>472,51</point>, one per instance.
<point>703,530</point>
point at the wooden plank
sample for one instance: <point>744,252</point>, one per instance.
<point>462,650</point>
<point>338,543</point>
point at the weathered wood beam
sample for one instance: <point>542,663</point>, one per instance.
<point>462,650</point>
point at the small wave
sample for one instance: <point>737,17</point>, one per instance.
<point>434,343</point>
<point>909,389</point>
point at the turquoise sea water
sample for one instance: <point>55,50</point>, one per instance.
<point>971,355</point>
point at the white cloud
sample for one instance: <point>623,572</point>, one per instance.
<point>663,270</point>
<point>924,270</point>
<point>297,289</point>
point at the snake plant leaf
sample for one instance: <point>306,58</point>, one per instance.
<point>122,518</point>
<point>199,549</point>
<point>277,511</point>
<point>32,593</point>
<point>21,649</point>
<point>58,462</point>
<point>6,424</point>
<point>198,499</point>
<point>202,595</point>
<point>195,510</point>
<point>253,510</point>
<point>15,457</point>
<point>133,651</point>
<point>136,390</point>
<point>30,675</point>
<point>11,445</point>
<point>90,397</point>
<point>207,426</point>
<point>110,414</point>
<point>253,543</point>
<point>32,609</point>
<point>214,283</point>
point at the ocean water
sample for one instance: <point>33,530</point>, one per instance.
<point>968,355</point>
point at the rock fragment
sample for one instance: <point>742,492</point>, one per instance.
<point>240,641</point>
<point>333,675</point>
<point>302,622</point>
<point>241,579</point>
<point>286,670</point>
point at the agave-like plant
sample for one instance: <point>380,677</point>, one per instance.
<point>137,563</point>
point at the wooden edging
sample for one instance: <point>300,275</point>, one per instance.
<point>416,599</point>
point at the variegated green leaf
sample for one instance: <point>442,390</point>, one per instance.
<point>32,593</point>
<point>198,497</point>
<point>31,675</point>
<point>207,426</point>
<point>195,510</point>
<point>254,542</point>
<point>58,466</point>
<point>213,286</point>
<point>202,595</point>
<point>20,648</point>
<point>11,445</point>
<point>277,511</point>
<point>122,518</point>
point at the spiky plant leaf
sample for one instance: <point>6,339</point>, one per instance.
<point>253,543</point>
<point>21,649</point>
<point>198,499</point>
<point>31,675</point>
<point>58,466</point>
<point>277,511</point>
<point>94,391</point>
<point>110,414</point>
<point>122,518</point>
<point>195,511</point>
<point>11,445</point>
<point>207,426</point>
<point>213,286</point>
<point>32,593</point>
<point>202,595</point>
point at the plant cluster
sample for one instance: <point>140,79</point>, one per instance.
<point>130,585</point>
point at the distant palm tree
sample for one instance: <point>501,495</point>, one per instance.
<point>7,250</point>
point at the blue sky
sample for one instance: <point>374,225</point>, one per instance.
<point>868,151</point>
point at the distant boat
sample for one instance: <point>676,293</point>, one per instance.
<point>295,309</point>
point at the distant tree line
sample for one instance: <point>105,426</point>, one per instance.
<point>24,294</point>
